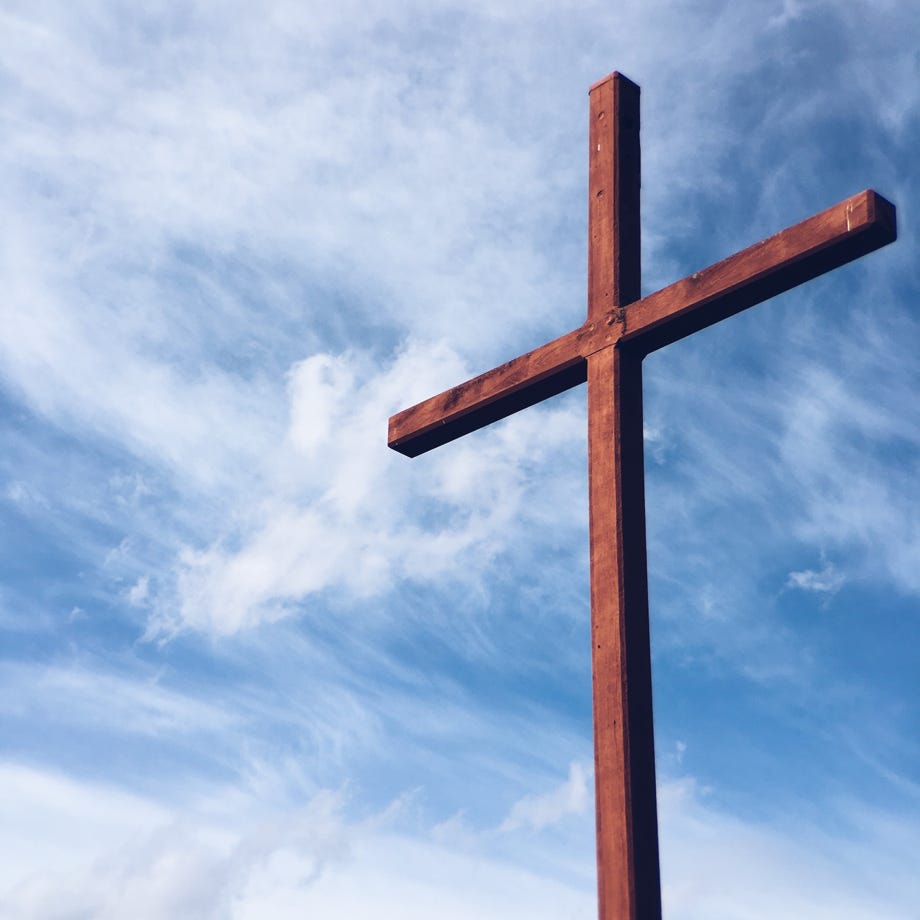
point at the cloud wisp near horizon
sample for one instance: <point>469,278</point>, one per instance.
<point>256,664</point>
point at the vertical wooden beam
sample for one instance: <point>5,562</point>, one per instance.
<point>624,745</point>
<point>614,233</point>
<point>624,749</point>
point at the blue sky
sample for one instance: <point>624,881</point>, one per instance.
<point>254,664</point>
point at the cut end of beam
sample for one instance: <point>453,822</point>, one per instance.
<point>479,402</point>
<point>883,215</point>
<point>616,75</point>
<point>844,232</point>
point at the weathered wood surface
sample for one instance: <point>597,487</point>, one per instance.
<point>526,380</point>
<point>624,746</point>
<point>834,237</point>
<point>628,886</point>
<point>613,195</point>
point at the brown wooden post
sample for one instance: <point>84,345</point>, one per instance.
<point>624,750</point>
<point>614,227</point>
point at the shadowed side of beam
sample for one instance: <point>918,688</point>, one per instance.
<point>846,231</point>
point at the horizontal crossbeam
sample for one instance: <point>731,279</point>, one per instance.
<point>779,263</point>
<point>544,372</point>
<point>834,237</point>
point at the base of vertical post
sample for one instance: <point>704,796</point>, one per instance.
<point>627,816</point>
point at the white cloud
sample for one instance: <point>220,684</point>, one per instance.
<point>100,701</point>
<point>148,862</point>
<point>139,591</point>
<point>540,811</point>
<point>80,849</point>
<point>844,435</point>
<point>720,867</point>
<point>219,218</point>
<point>405,184</point>
<point>826,580</point>
<point>335,507</point>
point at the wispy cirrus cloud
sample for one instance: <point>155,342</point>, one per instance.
<point>334,507</point>
<point>235,240</point>
<point>538,811</point>
<point>216,861</point>
<point>825,580</point>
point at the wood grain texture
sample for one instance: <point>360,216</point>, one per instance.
<point>512,386</point>
<point>624,752</point>
<point>832,238</point>
<point>613,195</point>
<point>624,747</point>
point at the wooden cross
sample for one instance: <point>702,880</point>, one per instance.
<point>607,351</point>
